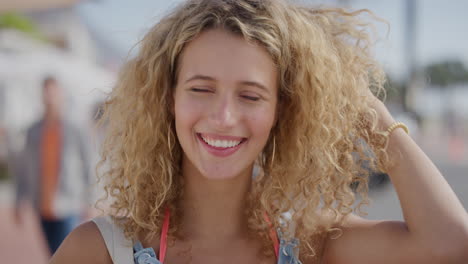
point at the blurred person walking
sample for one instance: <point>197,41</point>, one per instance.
<point>54,175</point>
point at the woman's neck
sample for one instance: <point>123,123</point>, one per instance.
<point>214,209</point>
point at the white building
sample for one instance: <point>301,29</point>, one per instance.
<point>69,54</point>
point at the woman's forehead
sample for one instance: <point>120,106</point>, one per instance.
<point>225,56</point>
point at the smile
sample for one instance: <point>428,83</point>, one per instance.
<point>221,146</point>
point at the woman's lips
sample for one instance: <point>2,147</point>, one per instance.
<point>221,151</point>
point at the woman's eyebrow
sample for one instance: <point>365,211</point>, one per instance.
<point>255,84</point>
<point>200,77</point>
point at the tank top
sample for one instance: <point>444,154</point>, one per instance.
<point>125,251</point>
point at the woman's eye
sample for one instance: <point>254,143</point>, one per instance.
<point>202,90</point>
<point>251,98</point>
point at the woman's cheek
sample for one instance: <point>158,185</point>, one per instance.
<point>261,123</point>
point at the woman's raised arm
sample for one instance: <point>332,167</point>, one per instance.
<point>435,227</point>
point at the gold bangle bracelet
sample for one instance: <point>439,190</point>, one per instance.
<point>395,126</point>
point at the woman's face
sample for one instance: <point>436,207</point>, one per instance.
<point>225,103</point>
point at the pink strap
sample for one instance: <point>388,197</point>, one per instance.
<point>164,231</point>
<point>273,234</point>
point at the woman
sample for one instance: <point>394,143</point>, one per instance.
<point>235,135</point>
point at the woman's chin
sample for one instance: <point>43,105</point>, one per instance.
<point>223,173</point>
<point>217,175</point>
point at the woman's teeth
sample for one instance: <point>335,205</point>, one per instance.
<point>222,143</point>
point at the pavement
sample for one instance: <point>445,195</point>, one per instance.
<point>21,240</point>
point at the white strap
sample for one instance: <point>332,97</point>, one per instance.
<point>119,247</point>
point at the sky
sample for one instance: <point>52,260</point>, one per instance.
<point>441,27</point>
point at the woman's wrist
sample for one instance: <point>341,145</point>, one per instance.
<point>385,118</point>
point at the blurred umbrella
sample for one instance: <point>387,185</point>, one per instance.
<point>26,5</point>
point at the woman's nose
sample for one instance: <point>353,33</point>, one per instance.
<point>224,113</point>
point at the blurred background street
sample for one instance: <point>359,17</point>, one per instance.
<point>83,43</point>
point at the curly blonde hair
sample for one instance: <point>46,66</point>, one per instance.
<point>325,140</point>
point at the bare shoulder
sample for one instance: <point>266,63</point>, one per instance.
<point>83,245</point>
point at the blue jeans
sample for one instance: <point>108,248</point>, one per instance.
<point>56,230</point>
